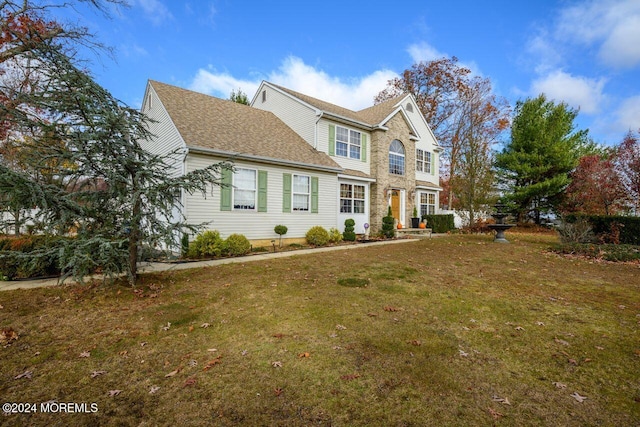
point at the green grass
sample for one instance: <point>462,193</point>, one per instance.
<point>443,328</point>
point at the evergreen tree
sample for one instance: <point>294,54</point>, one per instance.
<point>108,192</point>
<point>544,148</point>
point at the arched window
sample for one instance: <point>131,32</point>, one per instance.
<point>396,158</point>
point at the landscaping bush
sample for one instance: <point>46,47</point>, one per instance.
<point>317,236</point>
<point>579,231</point>
<point>335,236</point>
<point>280,230</point>
<point>440,223</point>
<point>349,235</point>
<point>43,260</point>
<point>388,229</point>
<point>238,244</point>
<point>184,245</point>
<point>610,228</point>
<point>207,244</point>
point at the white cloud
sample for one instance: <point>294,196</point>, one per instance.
<point>613,26</point>
<point>355,94</point>
<point>576,91</point>
<point>221,84</point>
<point>629,114</point>
<point>155,11</point>
<point>423,51</point>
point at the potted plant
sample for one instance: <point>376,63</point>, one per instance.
<point>415,219</point>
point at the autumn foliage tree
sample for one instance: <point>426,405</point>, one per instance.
<point>628,168</point>
<point>596,188</point>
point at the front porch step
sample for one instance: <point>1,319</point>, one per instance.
<point>417,232</point>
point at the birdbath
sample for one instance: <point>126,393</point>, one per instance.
<point>500,226</point>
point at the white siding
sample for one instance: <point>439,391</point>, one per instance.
<point>165,137</point>
<point>297,116</point>
<point>259,225</point>
<point>347,163</point>
<point>426,142</point>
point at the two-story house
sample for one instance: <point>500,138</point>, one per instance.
<point>299,161</point>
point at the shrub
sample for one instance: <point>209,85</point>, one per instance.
<point>440,223</point>
<point>349,234</point>
<point>317,236</point>
<point>578,231</point>
<point>207,244</point>
<point>184,245</point>
<point>280,230</point>
<point>238,244</point>
<point>31,256</point>
<point>609,228</point>
<point>388,229</point>
<point>335,236</point>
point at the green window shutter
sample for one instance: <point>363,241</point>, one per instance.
<point>286,192</point>
<point>332,140</point>
<point>225,190</point>
<point>314,194</point>
<point>262,191</point>
<point>363,148</point>
<point>434,159</point>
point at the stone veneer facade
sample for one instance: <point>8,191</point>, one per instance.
<point>380,142</point>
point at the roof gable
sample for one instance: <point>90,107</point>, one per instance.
<point>225,126</point>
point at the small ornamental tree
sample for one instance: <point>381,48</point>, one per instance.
<point>387,225</point>
<point>349,235</point>
<point>280,230</point>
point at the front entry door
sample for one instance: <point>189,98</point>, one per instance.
<point>395,204</point>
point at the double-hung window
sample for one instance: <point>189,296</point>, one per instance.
<point>244,189</point>
<point>423,161</point>
<point>348,143</point>
<point>427,203</point>
<point>352,198</point>
<point>301,193</point>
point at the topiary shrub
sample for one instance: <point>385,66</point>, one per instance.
<point>207,244</point>
<point>280,230</point>
<point>184,245</point>
<point>388,230</point>
<point>335,236</point>
<point>238,244</point>
<point>317,236</point>
<point>349,235</point>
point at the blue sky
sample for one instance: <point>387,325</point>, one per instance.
<point>585,53</point>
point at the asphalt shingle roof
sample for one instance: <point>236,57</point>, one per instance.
<point>212,123</point>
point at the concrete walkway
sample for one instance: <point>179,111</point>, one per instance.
<point>148,267</point>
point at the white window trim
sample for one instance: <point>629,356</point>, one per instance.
<point>427,158</point>
<point>435,202</point>
<point>294,193</point>
<point>255,192</point>
<point>353,198</point>
<point>403,156</point>
<point>349,143</point>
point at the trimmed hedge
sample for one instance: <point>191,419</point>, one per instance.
<point>440,223</point>
<point>317,236</point>
<point>612,229</point>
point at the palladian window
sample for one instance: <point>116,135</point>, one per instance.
<point>396,158</point>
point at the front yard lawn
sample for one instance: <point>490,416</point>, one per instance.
<point>456,330</point>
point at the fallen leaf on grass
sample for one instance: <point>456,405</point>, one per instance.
<point>389,308</point>
<point>573,361</point>
<point>191,328</point>
<point>559,384</point>
<point>304,355</point>
<point>540,323</point>
<point>415,342</point>
<point>211,363</point>
<point>193,363</point>
<point>97,373</point>
<point>7,335</point>
<point>189,382</point>
<point>372,315</point>
<point>244,352</point>
<point>278,391</point>
<point>154,389</point>
<point>504,401</point>
<point>577,397</point>
<point>495,414</point>
<point>25,374</point>
<point>276,364</point>
<point>113,393</point>
<point>340,327</point>
<point>559,341</point>
<point>205,325</point>
<point>278,336</point>
<point>463,354</point>
<point>172,373</point>
<point>166,328</point>
<point>85,354</point>
<point>350,377</point>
